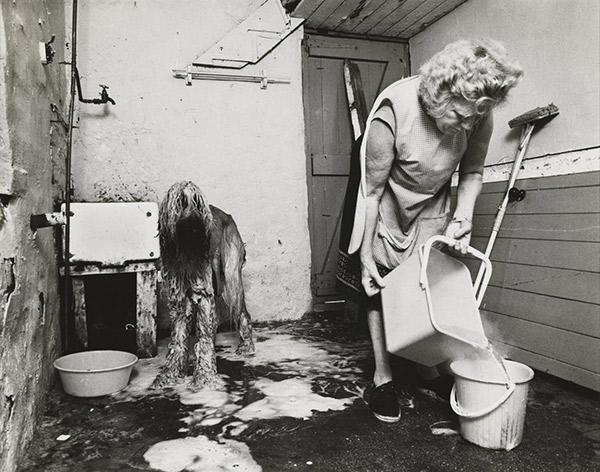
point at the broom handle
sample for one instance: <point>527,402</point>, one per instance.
<point>525,137</point>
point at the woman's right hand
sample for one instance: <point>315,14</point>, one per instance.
<point>371,281</point>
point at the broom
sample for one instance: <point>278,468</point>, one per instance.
<point>527,120</point>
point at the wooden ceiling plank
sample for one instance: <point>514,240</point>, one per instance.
<point>383,11</point>
<point>370,7</point>
<point>306,8</point>
<point>405,9</point>
<point>415,16</point>
<point>342,13</point>
<point>327,9</point>
<point>429,19</point>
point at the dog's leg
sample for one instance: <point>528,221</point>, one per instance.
<point>203,299</point>
<point>246,345</point>
<point>175,367</point>
<point>233,256</point>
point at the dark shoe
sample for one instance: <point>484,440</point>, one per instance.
<point>384,403</point>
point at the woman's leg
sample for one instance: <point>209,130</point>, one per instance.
<point>383,400</point>
<point>383,371</point>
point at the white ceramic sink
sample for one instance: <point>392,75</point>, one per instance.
<point>114,233</point>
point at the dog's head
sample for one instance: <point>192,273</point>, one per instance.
<point>194,216</point>
<point>184,225</point>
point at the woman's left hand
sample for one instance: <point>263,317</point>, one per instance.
<point>460,229</point>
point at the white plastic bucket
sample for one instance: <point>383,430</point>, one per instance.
<point>95,373</point>
<point>430,312</point>
<point>491,412</point>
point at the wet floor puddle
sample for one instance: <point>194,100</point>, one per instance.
<point>288,377</point>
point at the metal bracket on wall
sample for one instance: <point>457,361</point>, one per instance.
<point>192,73</point>
<point>516,195</point>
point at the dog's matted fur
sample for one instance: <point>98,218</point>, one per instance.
<point>202,255</point>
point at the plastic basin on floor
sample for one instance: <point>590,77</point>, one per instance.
<point>95,373</point>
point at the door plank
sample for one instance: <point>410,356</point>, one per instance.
<point>330,164</point>
<point>314,109</point>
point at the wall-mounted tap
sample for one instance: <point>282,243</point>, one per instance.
<point>104,97</point>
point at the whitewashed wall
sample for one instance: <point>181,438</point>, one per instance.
<point>557,42</point>
<point>242,145</point>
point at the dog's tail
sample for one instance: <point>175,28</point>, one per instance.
<point>233,257</point>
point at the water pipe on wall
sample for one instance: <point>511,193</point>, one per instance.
<point>68,184</point>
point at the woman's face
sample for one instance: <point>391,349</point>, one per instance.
<point>460,115</point>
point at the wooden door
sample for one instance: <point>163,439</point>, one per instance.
<point>329,138</point>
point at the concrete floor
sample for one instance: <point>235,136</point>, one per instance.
<point>297,406</point>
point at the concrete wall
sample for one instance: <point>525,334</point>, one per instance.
<point>557,42</point>
<point>242,145</point>
<point>32,149</point>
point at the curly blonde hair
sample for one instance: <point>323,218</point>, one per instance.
<point>477,71</point>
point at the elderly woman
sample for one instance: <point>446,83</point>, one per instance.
<point>420,130</point>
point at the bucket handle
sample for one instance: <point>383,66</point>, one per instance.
<point>476,414</point>
<point>426,249</point>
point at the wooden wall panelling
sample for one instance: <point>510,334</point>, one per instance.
<point>545,200</point>
<point>574,255</point>
<point>563,283</point>
<point>565,227</point>
<point>572,348</point>
<point>569,315</point>
<point>549,365</point>
<point>543,302</point>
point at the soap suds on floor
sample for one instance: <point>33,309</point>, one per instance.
<point>201,454</point>
<point>292,379</point>
<point>291,397</point>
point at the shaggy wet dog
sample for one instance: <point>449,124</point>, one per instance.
<point>202,255</point>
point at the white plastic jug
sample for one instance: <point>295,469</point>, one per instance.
<point>430,312</point>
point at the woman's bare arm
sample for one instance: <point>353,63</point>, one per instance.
<point>379,160</point>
